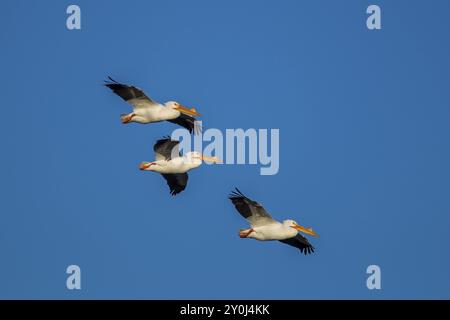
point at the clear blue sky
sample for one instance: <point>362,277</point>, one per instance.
<point>364,150</point>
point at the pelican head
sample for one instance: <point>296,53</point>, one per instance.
<point>292,224</point>
<point>176,106</point>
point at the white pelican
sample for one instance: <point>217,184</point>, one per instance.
<point>264,228</point>
<point>145,110</point>
<point>172,165</point>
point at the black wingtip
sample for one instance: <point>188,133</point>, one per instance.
<point>111,79</point>
<point>111,83</point>
<point>236,194</point>
<point>239,191</point>
<point>176,191</point>
<point>307,250</point>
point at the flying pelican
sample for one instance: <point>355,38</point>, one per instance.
<point>264,227</point>
<point>146,110</point>
<point>172,165</point>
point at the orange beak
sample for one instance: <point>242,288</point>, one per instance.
<point>305,230</point>
<point>145,165</point>
<point>189,112</point>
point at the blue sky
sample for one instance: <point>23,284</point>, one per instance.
<point>364,150</point>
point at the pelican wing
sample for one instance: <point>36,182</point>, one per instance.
<point>301,243</point>
<point>165,148</point>
<point>187,122</point>
<point>249,209</point>
<point>133,95</point>
<point>177,182</point>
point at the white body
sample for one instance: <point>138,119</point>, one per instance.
<point>153,113</point>
<point>273,231</point>
<point>175,165</point>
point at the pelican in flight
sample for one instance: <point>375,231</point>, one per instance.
<point>172,165</point>
<point>146,110</point>
<point>264,227</point>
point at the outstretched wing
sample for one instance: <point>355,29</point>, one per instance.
<point>249,209</point>
<point>133,95</point>
<point>177,182</point>
<point>301,243</point>
<point>187,122</point>
<point>165,148</point>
